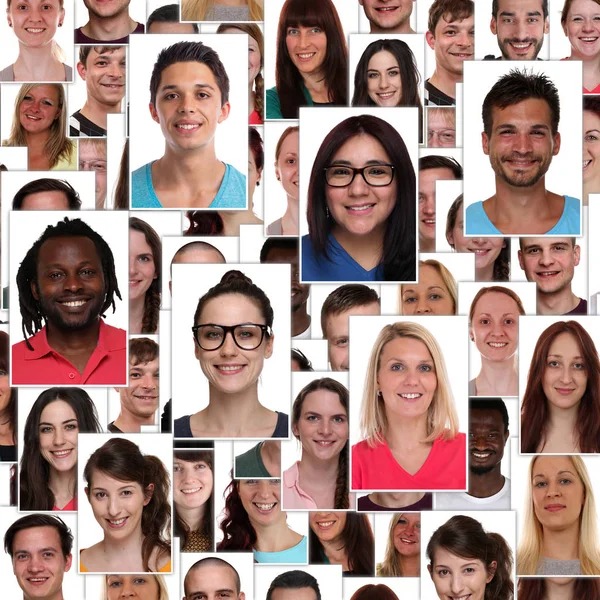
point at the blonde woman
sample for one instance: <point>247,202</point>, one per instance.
<point>403,549</point>
<point>39,122</point>
<point>146,587</point>
<point>435,294</point>
<point>230,10</point>
<point>40,58</point>
<point>408,419</point>
<point>560,533</point>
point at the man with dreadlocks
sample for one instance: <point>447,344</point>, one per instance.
<point>68,281</point>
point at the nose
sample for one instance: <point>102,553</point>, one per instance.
<point>359,187</point>
<point>410,377</point>
<point>303,38</point>
<point>565,374</point>
<point>478,241</point>
<point>523,143</point>
<point>35,565</point>
<point>324,427</point>
<point>456,584</point>
<point>72,282</point>
<point>127,590</point>
<point>132,265</point>
<point>148,381</point>
<point>546,257</point>
<point>480,442</point>
<point>521,30</point>
<point>464,39</point>
<point>428,205</point>
<point>59,436</point>
<point>383,82</point>
<point>229,347</point>
<point>115,70</point>
<point>263,488</point>
<point>423,307</point>
<point>114,506</point>
<point>587,25</point>
<point>553,489</point>
<point>187,104</point>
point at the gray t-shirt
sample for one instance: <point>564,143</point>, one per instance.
<point>551,566</point>
<point>228,13</point>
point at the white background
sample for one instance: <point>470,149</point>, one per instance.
<point>404,587</point>
<point>189,385</point>
<point>560,47</point>
<point>231,137</point>
<point>329,578</point>
<point>593,245</point>
<point>13,158</point>
<point>137,12</point>
<point>5,483</point>
<point>315,351</point>
<point>89,531</point>
<point>479,182</point>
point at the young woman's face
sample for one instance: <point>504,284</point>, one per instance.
<point>34,22</point>
<point>142,270</point>
<point>39,109</point>
<point>495,326</point>
<point>4,389</point>
<point>192,483</point>
<point>261,500</point>
<point>558,493</point>
<point>323,425</point>
<point>287,165</point>
<point>140,587</point>
<point>428,297</point>
<point>359,208</point>
<point>307,47</point>
<point>327,526</point>
<point>407,534</point>
<point>406,378</point>
<point>58,431</point>
<point>230,369</point>
<point>384,83</point>
<point>254,56</point>
<point>565,376</point>
<point>582,27</point>
<point>456,577</point>
<point>591,146</point>
<point>117,505</point>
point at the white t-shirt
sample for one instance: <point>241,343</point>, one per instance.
<point>464,501</point>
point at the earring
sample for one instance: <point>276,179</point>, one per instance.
<point>60,24</point>
<point>257,183</point>
<point>327,211</point>
<point>379,394</point>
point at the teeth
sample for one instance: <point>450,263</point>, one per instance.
<point>229,368</point>
<point>306,56</point>
<point>386,95</point>
<point>497,344</point>
<point>360,208</point>
<point>60,453</point>
<point>410,396</point>
<point>479,455</point>
<point>324,443</point>
<point>520,46</point>
<point>31,30</point>
<point>187,127</point>
<point>386,8</point>
<point>325,523</point>
<point>33,118</point>
<point>193,491</point>
<point>429,221</point>
<point>479,252</point>
<point>75,304</point>
<point>592,39</point>
<point>265,506</point>
<point>35,579</point>
<point>547,273</point>
<point>586,163</point>
<point>118,521</point>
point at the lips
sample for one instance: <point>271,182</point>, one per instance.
<point>482,455</point>
<point>586,164</point>
<point>265,508</point>
<point>230,369</point>
<point>480,251</point>
<point>146,398</point>
<point>497,344</point>
<point>428,222</point>
<point>411,397</point>
<point>325,525</point>
<point>554,507</point>
<point>117,523</point>
<point>407,541</point>
<point>35,30</point>
<point>324,443</point>
<point>564,391</point>
<point>386,9</point>
<point>305,57</point>
<point>61,453</point>
<point>191,490</point>
<point>360,210</point>
<point>37,581</point>
<point>33,118</point>
<point>547,274</point>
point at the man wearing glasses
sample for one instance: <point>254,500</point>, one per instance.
<point>92,157</point>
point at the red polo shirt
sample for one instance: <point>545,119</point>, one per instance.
<point>44,366</point>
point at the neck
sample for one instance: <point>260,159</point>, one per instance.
<point>445,81</point>
<point>273,537</point>
<point>521,204</point>
<point>404,27</point>
<point>36,142</point>
<point>366,250</point>
<point>96,111</point>
<point>411,565</point>
<point>426,244</point>
<point>487,484</point>
<point>501,376</point>
<point>126,548</point>
<point>563,422</point>
<point>232,413</point>
<point>336,553</point>
<point>58,595</point>
<point>233,219</point>
<point>563,590</point>
<point>192,517</point>
<point>194,165</point>
<point>405,434</point>
<point>270,452</point>
<point>321,474</point>
<point>562,544</point>
<point>36,60</point>
<point>289,221</point>
<point>73,341</point>
<point>396,500</point>
<point>300,320</point>
<point>109,28</point>
<point>485,274</point>
<point>315,83</point>
<point>131,423</point>
<point>136,314</point>
<point>62,483</point>
<point>557,303</point>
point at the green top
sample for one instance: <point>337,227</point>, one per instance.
<point>250,463</point>
<point>273,106</point>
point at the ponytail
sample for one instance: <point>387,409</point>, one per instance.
<point>501,587</point>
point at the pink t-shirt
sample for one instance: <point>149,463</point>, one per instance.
<point>444,469</point>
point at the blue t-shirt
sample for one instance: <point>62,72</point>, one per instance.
<point>231,194</point>
<point>478,223</point>
<point>298,554</point>
<point>340,266</point>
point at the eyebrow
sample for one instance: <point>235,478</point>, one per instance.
<point>590,130</point>
<point>48,548</point>
<point>534,126</point>
<point>559,473</point>
<point>118,489</point>
<point>175,86</point>
<point>67,421</point>
<point>421,362</point>
<point>316,414</point>
<point>561,356</point>
<point>375,161</point>
<point>220,591</point>
<point>506,314</point>
<point>461,566</point>
<point>431,287</point>
<point>531,13</point>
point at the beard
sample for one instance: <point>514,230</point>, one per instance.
<point>537,46</point>
<point>53,315</point>
<point>517,177</point>
<point>478,471</point>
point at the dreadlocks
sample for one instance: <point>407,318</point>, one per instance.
<point>31,315</point>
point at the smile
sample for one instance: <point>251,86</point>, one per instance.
<point>497,344</point>
<point>361,209</point>
<point>479,251</point>
<point>465,597</point>
<point>305,57</point>
<point>192,491</point>
<point>37,580</point>
<point>265,508</point>
<point>113,86</point>
<point>547,273</point>
<point>386,95</point>
<point>588,40</point>
<point>461,55</point>
<point>324,443</point>
<point>229,369</point>
<point>586,164</point>
<point>387,9</point>
<point>33,118</point>
<point>61,453</point>
<point>74,304</point>
<point>188,126</point>
<point>146,398</point>
<point>481,455</point>
<point>407,541</point>
<point>326,524</point>
<point>428,222</point>
<point>565,391</point>
<point>522,46</point>
<point>410,396</point>
<point>34,30</point>
<point>117,523</point>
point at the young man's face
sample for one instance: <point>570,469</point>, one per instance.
<point>427,179</point>
<point>487,438</point>
<point>188,105</point>
<point>92,159</point>
<point>387,15</point>
<point>38,562</point>
<point>70,284</point>
<point>337,332</point>
<point>211,582</point>
<point>140,399</point>
<point>521,144</point>
<point>106,10</point>
<point>550,262</point>
<point>453,43</point>
<point>104,76</point>
<point>520,27</point>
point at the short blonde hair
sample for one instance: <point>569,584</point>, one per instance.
<point>446,276</point>
<point>530,547</point>
<point>442,418</point>
<point>163,592</point>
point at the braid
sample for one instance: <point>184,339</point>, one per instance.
<point>341,483</point>
<point>151,311</point>
<point>259,90</point>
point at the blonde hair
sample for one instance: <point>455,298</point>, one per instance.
<point>529,551</point>
<point>199,10</point>
<point>99,144</point>
<point>442,418</point>
<point>446,276</point>
<point>58,146</point>
<point>392,561</point>
<point>163,592</point>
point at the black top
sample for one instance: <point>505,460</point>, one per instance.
<point>183,429</point>
<point>8,453</point>
<point>367,505</point>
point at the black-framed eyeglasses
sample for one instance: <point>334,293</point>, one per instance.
<point>247,336</point>
<point>374,175</point>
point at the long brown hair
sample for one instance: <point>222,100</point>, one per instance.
<point>9,414</point>
<point>534,411</point>
<point>535,589</point>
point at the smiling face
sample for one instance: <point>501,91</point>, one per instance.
<point>487,438</point>
<point>307,48</point>
<point>38,562</point>
<point>35,21</point>
<point>582,27</point>
<point>384,83</point>
<point>521,145</point>
<point>520,27</point>
<point>141,587</point>
<point>140,399</point>
<point>550,263</point>
<point>406,378</point>
<point>558,493</point>
<point>359,208</point>
<point>327,526</point>
<point>287,165</point>
<point>261,500</point>
<point>323,425</point>
<point>388,15</point>
<point>188,106</point>
<point>453,43</point>
<point>428,297</point>
<point>495,326</point>
<point>407,534</point>
<point>565,377</point>
<point>230,369</point>
<point>192,483</point>
<point>70,283</point>
<point>591,146</point>
<point>427,179</point>
<point>39,109</point>
<point>117,505</point>
<point>58,431</point>
<point>105,10</point>
<point>142,270</point>
<point>457,578</point>
<point>104,75</point>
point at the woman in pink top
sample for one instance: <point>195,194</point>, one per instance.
<point>320,424</point>
<point>408,418</point>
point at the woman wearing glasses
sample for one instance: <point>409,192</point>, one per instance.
<point>233,337</point>
<point>361,206</point>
